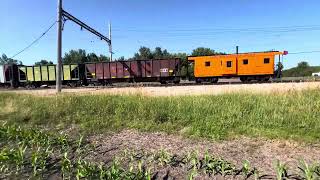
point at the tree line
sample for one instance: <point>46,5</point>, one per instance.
<point>302,69</point>
<point>81,56</point>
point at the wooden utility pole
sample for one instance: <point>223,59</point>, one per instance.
<point>59,47</point>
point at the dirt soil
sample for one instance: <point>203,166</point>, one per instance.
<point>261,153</point>
<point>184,90</point>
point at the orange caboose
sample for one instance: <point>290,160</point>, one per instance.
<point>247,66</point>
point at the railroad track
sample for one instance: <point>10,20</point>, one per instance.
<point>183,83</point>
<point>191,83</point>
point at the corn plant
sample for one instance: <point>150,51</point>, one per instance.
<point>209,164</point>
<point>86,169</point>
<point>34,161</point>
<point>4,160</point>
<point>142,173</point>
<point>248,171</point>
<point>39,159</point>
<point>281,170</point>
<point>308,171</point>
<point>102,171</point>
<point>4,169</point>
<point>63,142</point>
<point>81,169</point>
<point>317,170</point>
<point>66,166</point>
<point>114,172</point>
<point>147,174</point>
<point>19,156</point>
<point>79,144</point>
<point>256,174</point>
<point>192,175</point>
<point>192,160</point>
<point>224,167</point>
<point>163,157</point>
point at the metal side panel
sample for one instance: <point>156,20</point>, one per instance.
<point>66,72</point>
<point>1,74</point>
<point>52,73</point>
<point>44,73</point>
<point>99,70</point>
<point>37,73</point>
<point>30,73</point>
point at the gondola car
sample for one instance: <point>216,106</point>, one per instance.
<point>46,75</point>
<point>19,75</point>
<point>248,66</point>
<point>160,70</point>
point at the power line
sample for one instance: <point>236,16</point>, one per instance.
<point>256,29</point>
<point>35,41</point>
<point>305,52</point>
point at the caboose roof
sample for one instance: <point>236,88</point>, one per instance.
<point>261,52</point>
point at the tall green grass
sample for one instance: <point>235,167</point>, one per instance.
<point>295,115</point>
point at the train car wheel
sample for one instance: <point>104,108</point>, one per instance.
<point>73,84</point>
<point>243,79</point>
<point>214,80</point>
<point>176,81</point>
<point>266,79</point>
<point>163,82</point>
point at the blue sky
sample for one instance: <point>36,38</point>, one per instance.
<point>177,25</point>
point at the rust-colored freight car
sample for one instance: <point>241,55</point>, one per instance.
<point>162,70</point>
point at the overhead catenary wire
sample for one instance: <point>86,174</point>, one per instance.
<point>35,41</point>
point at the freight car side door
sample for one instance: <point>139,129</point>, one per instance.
<point>264,64</point>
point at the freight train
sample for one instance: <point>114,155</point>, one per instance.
<point>248,66</point>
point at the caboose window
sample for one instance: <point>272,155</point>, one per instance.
<point>207,63</point>
<point>245,61</point>
<point>266,60</point>
<point>229,63</point>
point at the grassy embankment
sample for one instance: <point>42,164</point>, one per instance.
<point>300,72</point>
<point>292,116</point>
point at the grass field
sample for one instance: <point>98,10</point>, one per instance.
<point>291,116</point>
